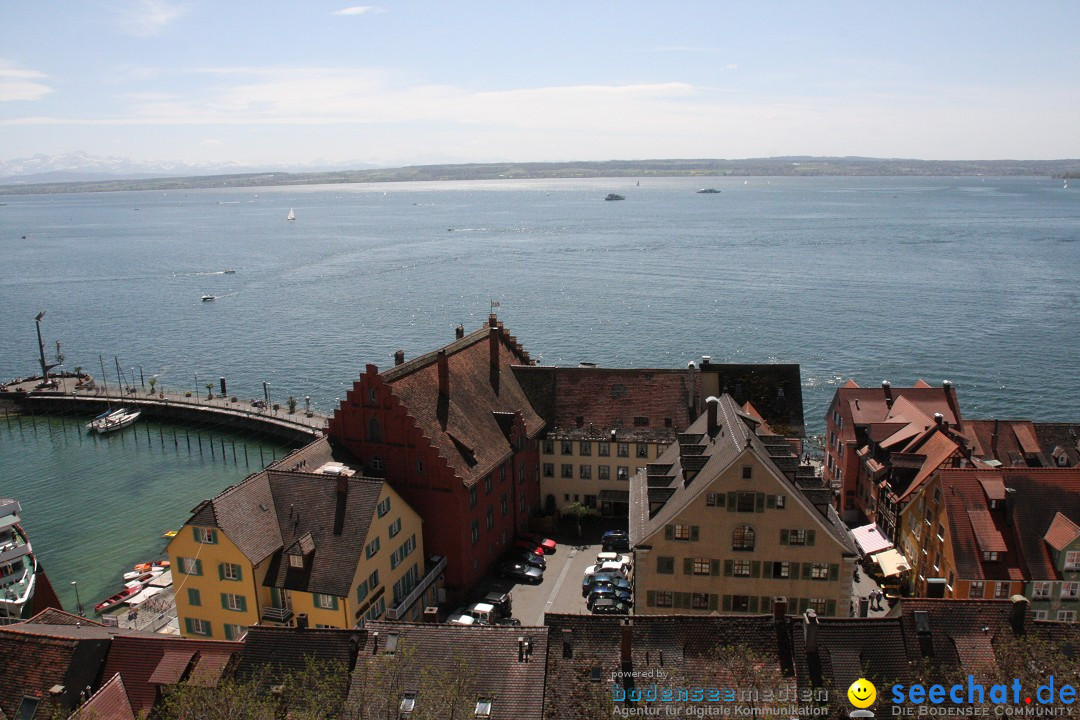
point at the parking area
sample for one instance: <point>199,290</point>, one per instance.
<point>560,591</point>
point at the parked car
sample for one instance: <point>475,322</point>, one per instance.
<point>610,568</point>
<point>529,545</point>
<point>614,557</point>
<point>459,617</point>
<point>503,602</point>
<point>548,544</point>
<point>615,541</point>
<point>520,556</point>
<point>513,622</point>
<point>622,584</point>
<point>608,591</point>
<point>610,606</point>
<point>592,581</point>
<point>521,571</point>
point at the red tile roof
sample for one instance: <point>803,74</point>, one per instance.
<point>35,658</point>
<point>1062,533</point>
<point>466,431</point>
<point>861,406</point>
<point>108,703</point>
<point>145,661</point>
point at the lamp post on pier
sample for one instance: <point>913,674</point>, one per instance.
<point>78,602</point>
<point>196,387</point>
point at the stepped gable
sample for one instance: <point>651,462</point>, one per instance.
<point>464,428</point>
<point>637,403</point>
<point>585,653</point>
<point>35,658</point>
<point>108,703</point>
<point>504,664</point>
<point>697,454</point>
<point>271,653</point>
<point>846,649</point>
<point>146,662</point>
<point>307,507</point>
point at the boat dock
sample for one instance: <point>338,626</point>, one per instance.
<point>183,406</point>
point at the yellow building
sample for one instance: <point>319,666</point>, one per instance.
<point>716,526</point>
<point>305,542</point>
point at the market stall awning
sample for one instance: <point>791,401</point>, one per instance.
<point>891,562</point>
<point>870,539</point>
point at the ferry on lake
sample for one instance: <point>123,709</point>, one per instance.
<point>18,566</point>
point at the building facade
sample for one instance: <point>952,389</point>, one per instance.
<point>717,527</point>
<point>455,435</point>
<point>306,542</point>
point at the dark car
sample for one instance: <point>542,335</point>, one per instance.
<point>609,592</point>
<point>521,571</point>
<point>509,621</point>
<point>595,581</point>
<point>621,584</point>
<point>520,556</point>
<point>547,544</point>
<point>615,541</point>
<point>610,606</point>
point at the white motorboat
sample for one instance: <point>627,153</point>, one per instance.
<point>110,413</point>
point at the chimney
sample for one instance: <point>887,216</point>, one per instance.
<point>950,397</point>
<point>810,630</point>
<point>886,386</point>
<point>459,332</point>
<point>431,614</point>
<point>779,608</point>
<point>301,621</point>
<point>712,405</point>
<point>444,374</point>
<point>567,643</point>
<point>705,360</point>
<point>399,357</point>
<point>343,485</point>
<point>493,353</point>
<point>1010,503</point>
<point>691,396</point>
<point>375,643</point>
<point>626,654</point>
<point>524,649</point>
<point>1019,613</point>
<point>994,440</point>
<point>939,419</point>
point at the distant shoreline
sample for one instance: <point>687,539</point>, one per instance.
<point>754,167</point>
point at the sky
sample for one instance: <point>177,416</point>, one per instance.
<point>311,82</point>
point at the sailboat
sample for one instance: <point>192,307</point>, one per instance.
<point>291,215</point>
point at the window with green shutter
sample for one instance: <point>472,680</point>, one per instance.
<point>193,597</point>
<point>732,500</point>
<point>361,592</point>
<point>809,537</point>
<point>726,604</point>
<point>759,502</point>
<point>665,565</point>
<point>770,501</point>
<point>755,568</point>
<point>753,604</point>
<point>695,533</point>
<point>650,598</point>
<point>783,537</point>
<point>714,567</point>
<point>688,566</point>
<point>729,566</point>
<point>830,608</point>
<point>669,532</point>
<point>834,571</point>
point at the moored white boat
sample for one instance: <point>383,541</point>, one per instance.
<point>18,566</point>
<point>92,425</point>
<point>116,422</point>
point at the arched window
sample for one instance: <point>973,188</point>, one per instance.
<point>374,432</point>
<point>742,538</point>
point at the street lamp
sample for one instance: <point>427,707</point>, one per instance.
<point>266,393</point>
<point>307,402</point>
<point>196,386</point>
<point>78,603</point>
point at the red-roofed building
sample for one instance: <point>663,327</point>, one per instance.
<point>994,533</point>
<point>456,435</point>
<point>882,443</point>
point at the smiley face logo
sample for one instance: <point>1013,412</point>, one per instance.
<point>862,693</point>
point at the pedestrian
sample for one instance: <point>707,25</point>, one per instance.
<point>877,599</point>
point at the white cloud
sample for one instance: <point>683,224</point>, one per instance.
<point>17,84</point>
<point>146,18</point>
<point>358,10</point>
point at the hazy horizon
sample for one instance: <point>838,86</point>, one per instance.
<point>327,83</point>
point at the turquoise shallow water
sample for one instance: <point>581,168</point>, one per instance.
<point>94,506</point>
<point>969,279</point>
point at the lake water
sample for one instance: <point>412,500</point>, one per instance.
<point>969,279</point>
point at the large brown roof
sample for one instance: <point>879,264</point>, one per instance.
<point>735,438</point>
<point>862,407</point>
<point>848,649</point>
<point>468,433</point>
<point>269,653</point>
<point>147,661</point>
<point>493,662</point>
<point>1040,495</point>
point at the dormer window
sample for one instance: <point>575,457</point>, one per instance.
<point>483,708</point>
<point>1072,560</point>
<point>408,703</point>
<point>990,556</point>
<point>296,561</point>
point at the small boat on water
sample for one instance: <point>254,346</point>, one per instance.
<point>116,422</point>
<point>230,272</point>
<point>291,215</point>
<point>208,298</point>
<point>93,424</point>
<point>118,598</point>
<point>708,191</point>
<point>613,196</point>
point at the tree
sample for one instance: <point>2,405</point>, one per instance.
<point>209,391</point>
<point>292,404</point>
<point>578,511</point>
<point>153,382</point>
